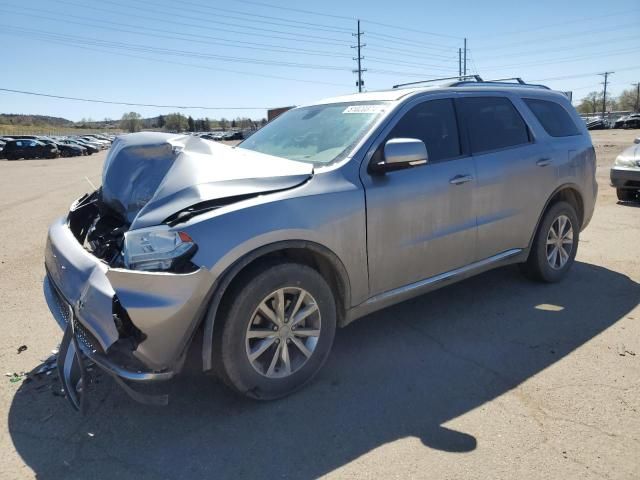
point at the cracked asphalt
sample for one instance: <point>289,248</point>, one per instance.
<point>492,378</point>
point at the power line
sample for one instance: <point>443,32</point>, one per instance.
<point>563,48</point>
<point>72,39</point>
<point>411,42</point>
<point>542,27</point>
<point>171,21</point>
<point>406,29</point>
<point>300,10</point>
<point>407,52</point>
<point>582,75</point>
<point>200,19</point>
<point>304,25</point>
<point>563,60</point>
<point>128,104</point>
<point>201,67</point>
<point>341,17</point>
<point>549,38</point>
<point>86,21</point>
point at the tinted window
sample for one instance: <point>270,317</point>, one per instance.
<point>555,119</point>
<point>493,123</point>
<point>434,123</point>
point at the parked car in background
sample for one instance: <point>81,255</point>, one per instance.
<point>91,149</point>
<point>25,137</point>
<point>83,141</point>
<point>27,148</point>
<point>597,123</point>
<point>66,150</point>
<point>625,173</point>
<point>104,144</point>
<point>233,136</point>
<point>330,212</point>
<point>632,121</point>
<point>619,123</point>
<point>2,144</point>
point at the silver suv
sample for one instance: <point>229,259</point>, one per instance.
<point>328,213</point>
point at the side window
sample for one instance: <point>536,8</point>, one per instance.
<point>18,144</point>
<point>554,119</point>
<point>433,122</point>
<point>493,123</point>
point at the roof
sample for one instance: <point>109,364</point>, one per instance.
<point>396,94</point>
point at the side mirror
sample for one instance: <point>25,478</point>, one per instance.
<point>403,153</point>
<point>637,140</point>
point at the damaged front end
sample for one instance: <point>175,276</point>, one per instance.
<point>135,325</point>
<point>120,271</point>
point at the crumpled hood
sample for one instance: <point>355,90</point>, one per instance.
<point>149,176</point>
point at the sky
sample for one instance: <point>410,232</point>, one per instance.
<point>240,57</point>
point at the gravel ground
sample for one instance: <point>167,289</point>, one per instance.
<point>494,377</point>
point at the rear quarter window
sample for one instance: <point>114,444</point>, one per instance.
<point>553,117</point>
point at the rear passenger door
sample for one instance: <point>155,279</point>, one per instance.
<point>514,172</point>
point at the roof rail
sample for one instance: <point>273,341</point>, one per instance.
<point>519,81</point>
<point>469,80</point>
<point>477,78</point>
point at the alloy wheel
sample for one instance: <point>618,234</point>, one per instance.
<point>559,242</point>
<point>283,332</point>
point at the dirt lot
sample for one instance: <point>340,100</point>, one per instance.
<point>492,378</point>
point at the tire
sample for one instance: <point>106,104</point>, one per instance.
<point>542,265</point>
<point>262,379</point>
<point>625,195</point>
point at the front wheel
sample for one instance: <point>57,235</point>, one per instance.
<point>277,330</point>
<point>555,244</point>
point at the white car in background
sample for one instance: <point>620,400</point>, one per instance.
<point>625,173</point>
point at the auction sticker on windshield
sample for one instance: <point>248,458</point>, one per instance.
<point>364,109</point>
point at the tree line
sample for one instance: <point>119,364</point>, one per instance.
<point>627,100</point>
<point>176,122</point>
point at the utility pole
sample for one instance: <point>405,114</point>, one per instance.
<point>604,94</point>
<point>359,58</point>
<point>637,85</point>
<point>465,57</point>
<point>460,63</point>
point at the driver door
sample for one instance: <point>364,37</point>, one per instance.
<point>420,220</point>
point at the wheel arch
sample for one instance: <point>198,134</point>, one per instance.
<point>568,192</point>
<point>313,254</point>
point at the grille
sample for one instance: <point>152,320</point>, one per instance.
<point>65,311</point>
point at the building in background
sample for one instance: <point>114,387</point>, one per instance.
<point>274,112</point>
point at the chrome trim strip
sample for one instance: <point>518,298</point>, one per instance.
<point>381,297</point>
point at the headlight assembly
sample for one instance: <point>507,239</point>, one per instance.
<point>156,248</point>
<point>626,161</point>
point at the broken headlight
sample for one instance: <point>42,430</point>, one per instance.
<point>156,248</point>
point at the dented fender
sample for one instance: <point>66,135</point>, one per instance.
<point>165,307</point>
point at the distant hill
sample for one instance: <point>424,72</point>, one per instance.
<point>34,120</point>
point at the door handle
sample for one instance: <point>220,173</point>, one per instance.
<point>460,179</point>
<point>543,162</point>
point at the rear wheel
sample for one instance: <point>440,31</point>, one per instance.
<point>277,331</point>
<point>555,245</point>
<point>626,195</point>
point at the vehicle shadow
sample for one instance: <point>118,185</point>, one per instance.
<point>402,372</point>
<point>633,204</point>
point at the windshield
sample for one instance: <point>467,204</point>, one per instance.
<point>318,134</point>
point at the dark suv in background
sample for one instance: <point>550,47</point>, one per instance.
<point>27,148</point>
